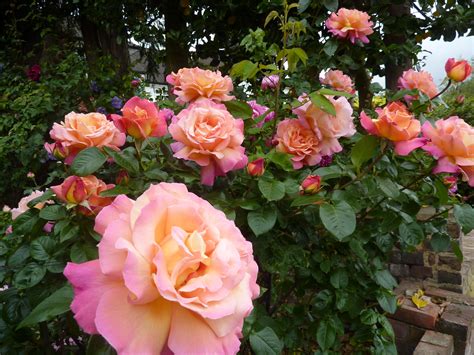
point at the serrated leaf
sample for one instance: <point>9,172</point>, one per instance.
<point>325,91</point>
<point>88,161</point>
<point>244,69</point>
<point>272,190</point>
<point>115,191</point>
<point>323,103</point>
<point>303,5</point>
<point>385,279</point>
<point>464,215</point>
<point>29,276</point>
<point>266,342</point>
<point>262,221</point>
<point>331,5</point>
<point>124,159</point>
<point>339,219</point>
<point>53,213</point>
<point>440,242</point>
<point>411,234</point>
<point>326,334</point>
<point>56,304</point>
<point>388,187</point>
<point>280,159</point>
<point>330,47</point>
<point>239,109</point>
<point>387,302</point>
<point>364,150</point>
<point>272,15</point>
<point>45,196</point>
<point>339,279</point>
<point>306,200</point>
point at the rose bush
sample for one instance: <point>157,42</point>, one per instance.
<point>261,222</point>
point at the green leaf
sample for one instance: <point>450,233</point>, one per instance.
<point>53,213</point>
<point>364,150</point>
<point>325,91</point>
<point>440,242</point>
<point>357,248</point>
<point>339,279</point>
<point>457,250</point>
<point>97,345</point>
<point>280,159</point>
<point>45,196</point>
<point>239,109</point>
<point>68,233</point>
<point>323,103</point>
<point>464,215</point>
<point>388,187</point>
<point>330,47</point>
<point>156,174</point>
<point>329,172</point>
<point>29,276</point>
<point>115,191</point>
<point>41,249</point>
<point>303,5</point>
<point>26,222</point>
<point>266,342</point>
<point>306,200</point>
<point>56,304</point>
<point>339,219</point>
<point>244,69</point>
<point>262,221</point>
<point>19,256</point>
<point>385,279</point>
<point>272,190</point>
<point>368,317</point>
<point>326,334</point>
<point>411,234</point>
<point>273,14</point>
<point>387,302</point>
<point>88,161</point>
<point>323,299</point>
<point>331,5</point>
<point>125,159</point>
<point>441,192</point>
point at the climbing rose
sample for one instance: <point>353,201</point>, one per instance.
<point>339,81</point>
<point>79,131</point>
<point>141,119</point>
<point>191,84</point>
<point>207,133</point>
<point>458,70</point>
<point>174,275</point>
<point>451,142</point>
<point>296,138</point>
<point>421,80</point>
<point>351,24</point>
<point>23,204</point>
<point>397,124</point>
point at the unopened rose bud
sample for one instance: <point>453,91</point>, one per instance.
<point>122,178</point>
<point>256,167</point>
<point>460,99</point>
<point>270,82</point>
<point>6,208</point>
<point>30,175</point>
<point>310,185</point>
<point>457,70</point>
<point>72,190</point>
<point>135,83</point>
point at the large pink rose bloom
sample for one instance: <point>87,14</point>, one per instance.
<point>452,143</point>
<point>296,138</point>
<point>207,133</point>
<point>174,275</point>
<point>421,80</point>
<point>351,24</point>
<point>191,84</point>
<point>339,81</point>
<point>326,127</point>
<point>79,131</point>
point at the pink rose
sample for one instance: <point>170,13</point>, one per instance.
<point>351,24</point>
<point>141,119</point>
<point>174,275</point>
<point>258,110</point>
<point>451,142</point>
<point>206,133</point>
<point>23,204</point>
<point>296,138</point>
<point>339,81</point>
<point>310,185</point>
<point>421,80</point>
<point>191,84</point>
<point>328,128</point>
<point>79,131</point>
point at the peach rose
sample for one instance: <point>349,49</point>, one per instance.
<point>206,133</point>
<point>457,70</point>
<point>397,124</point>
<point>23,204</point>
<point>141,119</point>
<point>256,167</point>
<point>351,24</point>
<point>421,80</point>
<point>296,138</point>
<point>84,191</point>
<point>79,131</point>
<point>451,142</point>
<point>328,128</point>
<point>191,84</point>
<point>339,81</point>
<point>174,275</point>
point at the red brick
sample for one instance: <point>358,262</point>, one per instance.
<point>457,320</point>
<point>449,296</point>
<point>420,272</point>
<point>424,318</point>
<point>407,336</point>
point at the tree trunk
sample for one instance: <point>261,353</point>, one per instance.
<point>362,84</point>
<point>177,51</point>
<point>394,66</point>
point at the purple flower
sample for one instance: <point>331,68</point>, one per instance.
<point>326,161</point>
<point>34,72</point>
<point>101,110</point>
<point>259,110</point>
<point>270,82</point>
<point>95,87</point>
<point>116,103</point>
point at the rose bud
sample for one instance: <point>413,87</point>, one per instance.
<point>57,150</point>
<point>451,184</point>
<point>256,167</point>
<point>135,83</point>
<point>310,185</point>
<point>270,82</point>
<point>457,70</point>
<point>460,99</point>
<point>122,178</point>
<point>72,190</point>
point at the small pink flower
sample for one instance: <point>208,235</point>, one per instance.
<point>23,204</point>
<point>30,175</point>
<point>34,72</point>
<point>207,134</point>
<point>6,209</point>
<point>337,80</point>
<point>421,80</point>
<point>141,119</point>
<point>451,142</point>
<point>9,230</point>
<point>256,167</point>
<point>451,184</point>
<point>351,24</point>
<point>191,84</point>
<point>458,70</point>
<point>310,185</point>
<point>258,110</point>
<point>174,276</point>
<point>270,82</point>
<point>135,83</point>
<point>48,227</point>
